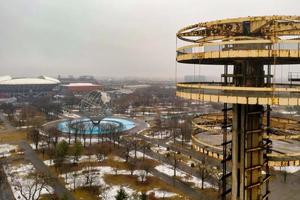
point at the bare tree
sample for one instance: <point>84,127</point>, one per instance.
<point>204,171</point>
<point>175,163</point>
<point>52,136</point>
<point>102,151</point>
<point>132,164</point>
<point>146,165</point>
<point>33,186</point>
<point>145,146</point>
<point>91,130</point>
<point>69,124</point>
<point>91,176</point>
<point>34,135</point>
<point>74,179</point>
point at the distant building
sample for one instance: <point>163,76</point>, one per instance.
<point>80,79</point>
<point>24,88</point>
<point>80,88</point>
<point>196,78</point>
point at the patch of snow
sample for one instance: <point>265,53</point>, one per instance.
<point>87,139</point>
<point>71,115</point>
<point>160,134</point>
<point>111,191</point>
<point>49,162</point>
<point>169,170</point>
<point>40,145</point>
<point>159,149</point>
<point>190,162</point>
<point>6,149</point>
<point>288,112</point>
<point>138,154</point>
<point>118,159</point>
<point>81,178</point>
<point>161,193</point>
<point>288,169</point>
<point>70,159</point>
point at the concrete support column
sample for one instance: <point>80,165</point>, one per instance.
<point>247,137</point>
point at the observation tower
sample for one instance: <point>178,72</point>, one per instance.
<point>249,48</point>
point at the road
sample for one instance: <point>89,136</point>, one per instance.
<point>288,190</point>
<point>39,165</point>
<point>5,190</point>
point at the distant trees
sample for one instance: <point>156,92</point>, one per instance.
<point>8,109</point>
<point>143,97</point>
<point>48,107</point>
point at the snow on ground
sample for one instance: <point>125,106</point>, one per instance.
<point>70,115</point>
<point>6,149</point>
<point>40,145</point>
<point>18,176</point>
<point>159,135</point>
<point>190,162</point>
<point>138,154</point>
<point>160,149</point>
<point>179,139</point>
<point>288,169</point>
<point>83,176</point>
<point>80,178</point>
<point>70,159</point>
<point>49,162</point>
<point>118,159</point>
<point>110,192</point>
<point>169,170</point>
<point>161,193</point>
<point>87,139</point>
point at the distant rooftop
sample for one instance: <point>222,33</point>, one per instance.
<point>80,84</point>
<point>41,80</point>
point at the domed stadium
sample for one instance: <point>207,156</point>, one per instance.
<point>24,88</point>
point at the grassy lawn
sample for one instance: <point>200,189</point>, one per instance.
<point>48,197</point>
<point>86,193</point>
<point>12,137</point>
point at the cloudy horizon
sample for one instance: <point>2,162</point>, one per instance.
<point>109,38</point>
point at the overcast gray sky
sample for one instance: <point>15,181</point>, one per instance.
<point>109,37</point>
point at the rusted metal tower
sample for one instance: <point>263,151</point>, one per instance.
<point>249,48</point>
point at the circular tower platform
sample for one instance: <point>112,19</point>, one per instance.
<point>248,48</point>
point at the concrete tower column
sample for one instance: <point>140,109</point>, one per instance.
<point>247,136</point>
